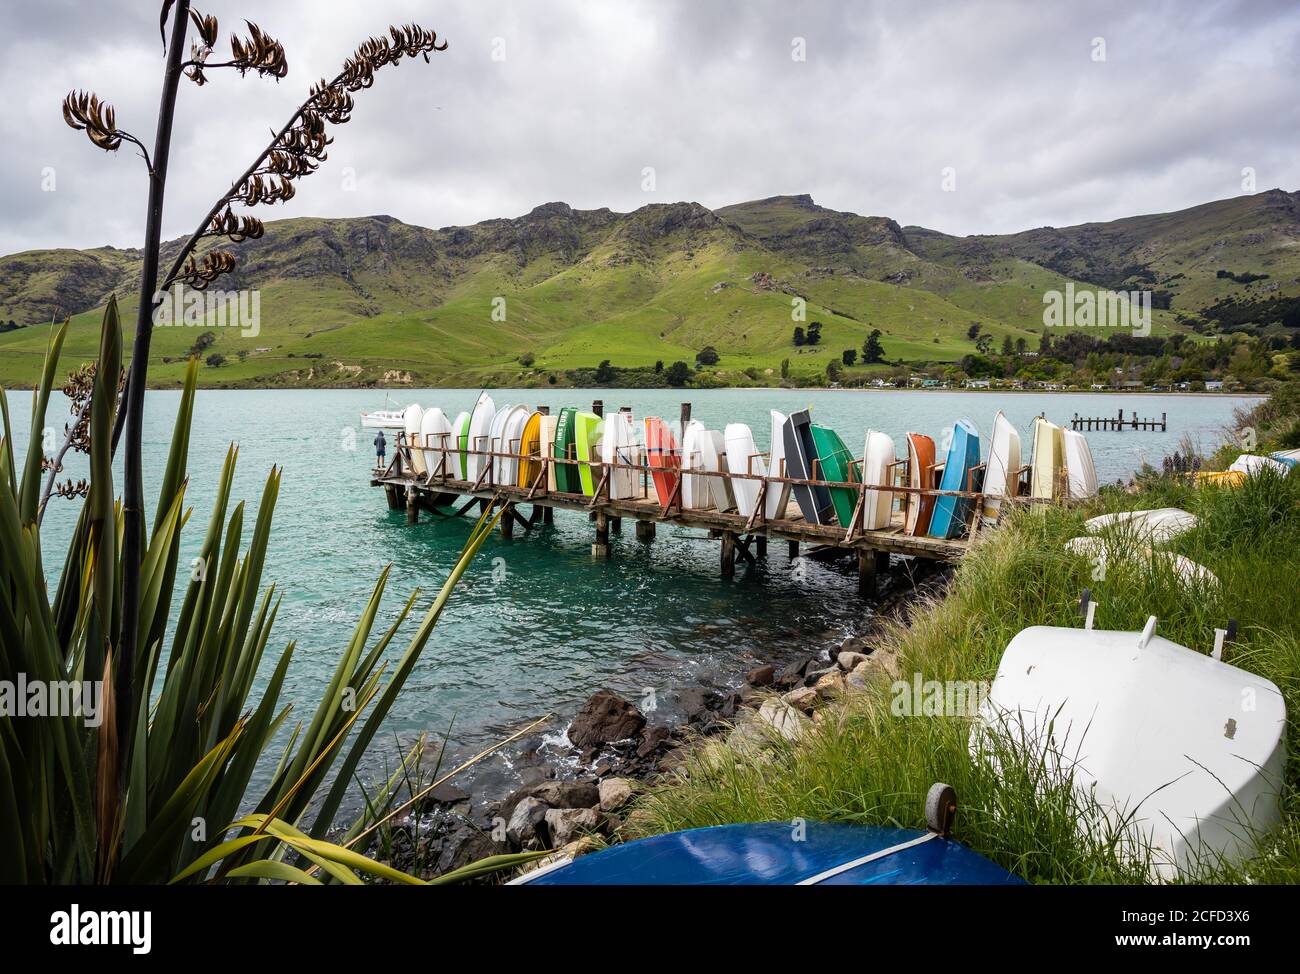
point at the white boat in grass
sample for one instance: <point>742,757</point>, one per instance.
<point>1155,740</point>
<point>1103,551</point>
<point>1153,527</point>
<point>1048,457</point>
<point>1002,472</point>
<point>1250,464</point>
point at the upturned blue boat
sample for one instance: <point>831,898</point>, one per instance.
<point>787,854</point>
<point>950,513</point>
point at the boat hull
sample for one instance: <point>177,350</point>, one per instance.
<point>1080,474</point>
<point>587,429</point>
<point>566,449</point>
<point>950,513</point>
<point>800,459</point>
<point>1002,476</point>
<point>478,440</point>
<point>1049,459</point>
<point>778,495</point>
<point>920,455</point>
<point>743,458</point>
<point>836,463</point>
<point>663,458</point>
<point>530,446</point>
<point>877,470</point>
<point>761,853</point>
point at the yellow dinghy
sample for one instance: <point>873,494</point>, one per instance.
<point>530,448</point>
<point>1049,459</point>
<point>1221,478</point>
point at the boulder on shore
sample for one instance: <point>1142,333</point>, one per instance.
<point>614,794</point>
<point>527,823</point>
<point>604,718</point>
<point>567,824</point>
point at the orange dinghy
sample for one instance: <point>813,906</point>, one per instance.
<point>663,457</point>
<point>920,456</point>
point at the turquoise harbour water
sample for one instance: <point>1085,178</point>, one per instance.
<point>538,625</point>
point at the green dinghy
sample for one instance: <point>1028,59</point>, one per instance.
<point>566,474</point>
<point>836,463</point>
<point>587,428</point>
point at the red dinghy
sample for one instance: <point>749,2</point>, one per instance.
<point>664,458</point>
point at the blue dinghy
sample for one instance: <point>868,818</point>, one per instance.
<point>783,854</point>
<point>767,853</point>
<point>963,454</point>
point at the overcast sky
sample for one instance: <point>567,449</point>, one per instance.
<point>572,101</point>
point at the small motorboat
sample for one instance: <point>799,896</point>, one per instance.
<point>1153,736</point>
<point>949,517</point>
<point>802,463</point>
<point>1002,474</point>
<point>920,466</point>
<point>786,854</point>
<point>384,419</point>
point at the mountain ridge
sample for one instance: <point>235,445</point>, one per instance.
<point>376,295</point>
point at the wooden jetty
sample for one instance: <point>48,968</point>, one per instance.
<point>1117,422</point>
<point>740,536</point>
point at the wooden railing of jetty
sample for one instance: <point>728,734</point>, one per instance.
<point>741,536</point>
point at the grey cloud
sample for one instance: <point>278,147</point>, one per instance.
<point>704,92</point>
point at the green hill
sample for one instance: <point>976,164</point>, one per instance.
<point>374,301</point>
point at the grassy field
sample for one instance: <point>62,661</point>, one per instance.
<point>863,764</point>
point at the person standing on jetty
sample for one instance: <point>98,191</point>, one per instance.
<point>381,447</point>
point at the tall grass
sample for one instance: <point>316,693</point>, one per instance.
<point>863,764</point>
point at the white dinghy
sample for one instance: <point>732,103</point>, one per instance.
<point>480,427</point>
<point>1250,465</point>
<point>696,492</point>
<point>778,495</point>
<point>618,444</point>
<point>411,420</point>
<point>713,448</point>
<point>877,470</point>
<point>1002,474</point>
<point>743,458</point>
<point>1179,751</point>
<point>435,442</point>
<point>1102,551</point>
<point>1153,527</point>
<point>1080,473</point>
